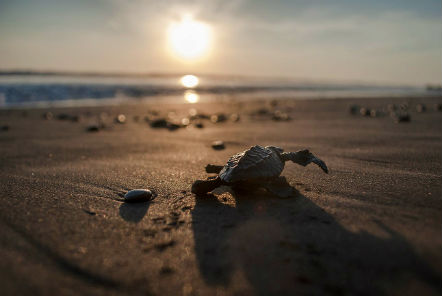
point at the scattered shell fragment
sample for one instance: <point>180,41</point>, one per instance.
<point>121,118</point>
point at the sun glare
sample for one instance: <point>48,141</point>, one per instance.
<point>189,39</point>
<point>191,96</point>
<point>189,81</point>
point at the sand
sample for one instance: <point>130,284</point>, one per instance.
<point>372,226</point>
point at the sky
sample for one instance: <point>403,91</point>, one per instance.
<point>389,41</point>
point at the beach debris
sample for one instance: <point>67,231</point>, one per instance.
<point>274,103</point>
<point>158,123</point>
<point>391,107</point>
<point>421,108</point>
<point>4,128</point>
<point>364,111</point>
<point>185,121</point>
<point>48,115</point>
<point>121,119</point>
<point>217,118</point>
<point>234,117</point>
<point>172,126</point>
<point>354,109</point>
<point>374,113</point>
<point>401,117</point>
<point>63,116</point>
<point>218,145</point>
<point>249,168</point>
<point>280,116</point>
<point>75,118</point>
<point>199,125</point>
<point>139,195</point>
<point>193,112</point>
<point>404,106</point>
<point>93,128</point>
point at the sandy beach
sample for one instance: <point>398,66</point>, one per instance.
<point>370,227</point>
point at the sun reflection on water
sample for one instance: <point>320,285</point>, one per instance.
<point>191,96</point>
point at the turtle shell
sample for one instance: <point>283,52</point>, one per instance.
<point>255,163</point>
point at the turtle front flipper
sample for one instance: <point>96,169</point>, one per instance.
<point>304,157</point>
<point>201,187</point>
<point>213,168</point>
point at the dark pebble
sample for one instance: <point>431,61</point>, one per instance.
<point>159,123</point>
<point>405,117</point>
<point>93,128</point>
<point>199,125</point>
<point>353,109</point>
<point>138,195</point>
<point>173,126</point>
<point>4,128</point>
<point>63,116</point>
<point>218,145</point>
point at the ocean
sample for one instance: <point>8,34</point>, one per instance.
<point>58,89</point>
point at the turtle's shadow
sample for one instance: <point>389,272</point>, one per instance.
<point>292,246</point>
<point>134,212</point>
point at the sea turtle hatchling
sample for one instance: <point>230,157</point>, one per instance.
<point>256,167</point>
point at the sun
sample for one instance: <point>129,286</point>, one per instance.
<point>189,81</point>
<point>189,39</point>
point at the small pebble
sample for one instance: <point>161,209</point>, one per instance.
<point>138,195</point>
<point>218,145</point>
<point>438,107</point>
<point>93,128</point>
<point>4,128</point>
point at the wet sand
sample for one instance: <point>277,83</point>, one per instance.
<point>372,226</point>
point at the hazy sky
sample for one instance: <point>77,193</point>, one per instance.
<point>397,41</point>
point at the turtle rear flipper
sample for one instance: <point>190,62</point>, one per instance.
<point>280,188</point>
<point>201,187</point>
